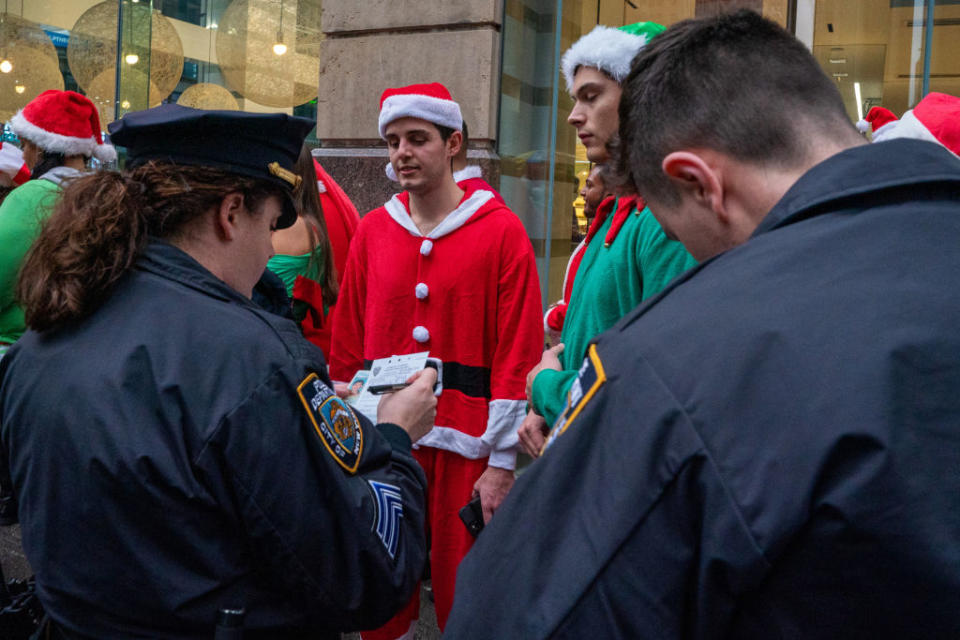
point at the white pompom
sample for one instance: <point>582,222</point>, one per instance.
<point>426,247</point>
<point>420,333</point>
<point>422,291</point>
<point>863,126</point>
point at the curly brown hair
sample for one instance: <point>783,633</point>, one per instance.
<point>101,224</point>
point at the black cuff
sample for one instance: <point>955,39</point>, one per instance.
<point>396,436</point>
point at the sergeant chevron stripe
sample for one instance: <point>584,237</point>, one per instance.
<point>389,512</point>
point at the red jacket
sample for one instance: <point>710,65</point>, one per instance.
<point>468,293</point>
<point>342,220</point>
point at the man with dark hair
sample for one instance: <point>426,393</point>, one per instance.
<point>451,271</point>
<point>626,256</point>
<point>768,449</point>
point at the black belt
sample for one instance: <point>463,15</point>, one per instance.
<point>468,380</point>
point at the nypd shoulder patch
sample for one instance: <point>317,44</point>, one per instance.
<point>334,421</point>
<point>389,504</point>
<point>590,378</point>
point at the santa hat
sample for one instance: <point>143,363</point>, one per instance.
<point>936,118</point>
<point>12,168</point>
<point>430,102</point>
<point>877,118</point>
<point>608,49</point>
<point>63,122</point>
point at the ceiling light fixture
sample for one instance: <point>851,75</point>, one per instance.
<point>278,47</point>
<point>856,92</point>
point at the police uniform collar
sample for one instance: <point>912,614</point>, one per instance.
<point>862,170</point>
<point>164,259</point>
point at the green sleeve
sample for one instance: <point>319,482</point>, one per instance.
<point>550,390</point>
<point>660,259</point>
<point>17,232</point>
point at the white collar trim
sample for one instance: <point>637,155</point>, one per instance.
<point>454,220</point>
<point>468,172</point>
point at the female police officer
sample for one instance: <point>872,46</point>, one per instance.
<point>175,449</point>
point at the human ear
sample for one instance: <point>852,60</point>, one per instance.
<point>454,142</point>
<point>226,215</point>
<point>696,178</point>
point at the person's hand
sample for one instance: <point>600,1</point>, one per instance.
<point>549,360</point>
<point>413,408</point>
<point>492,487</point>
<point>533,433</point>
<point>342,389</point>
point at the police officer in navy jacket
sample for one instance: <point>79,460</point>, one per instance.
<point>770,448</point>
<point>176,450</point>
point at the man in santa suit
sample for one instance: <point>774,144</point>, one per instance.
<point>451,271</point>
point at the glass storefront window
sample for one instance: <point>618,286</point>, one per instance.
<point>127,55</point>
<point>888,52</point>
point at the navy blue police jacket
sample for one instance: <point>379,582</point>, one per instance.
<point>180,451</point>
<point>770,448</point>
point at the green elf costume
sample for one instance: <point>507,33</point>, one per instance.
<point>627,257</point>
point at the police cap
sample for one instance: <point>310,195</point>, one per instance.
<point>259,145</point>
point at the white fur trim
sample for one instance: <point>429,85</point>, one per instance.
<point>471,171</point>
<point>468,172</point>
<point>450,439</point>
<point>605,48</point>
<point>420,333</point>
<point>426,247</point>
<point>391,174</point>
<point>909,126</point>
<point>454,220</point>
<point>422,290</point>
<point>56,143</point>
<point>410,633</point>
<point>503,420</point>
<point>503,459</point>
<point>322,188</point>
<point>12,167</point>
<point>445,113</point>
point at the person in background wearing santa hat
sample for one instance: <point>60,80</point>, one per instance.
<point>13,170</point>
<point>452,272</point>
<point>468,177</point>
<point>60,132</point>
<point>627,257</point>
<point>936,119</point>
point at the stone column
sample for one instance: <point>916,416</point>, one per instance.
<point>377,44</point>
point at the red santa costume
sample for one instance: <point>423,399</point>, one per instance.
<point>341,220</point>
<point>468,293</point>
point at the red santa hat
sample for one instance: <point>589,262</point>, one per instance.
<point>13,170</point>
<point>430,102</point>
<point>936,118</point>
<point>63,122</point>
<point>877,118</point>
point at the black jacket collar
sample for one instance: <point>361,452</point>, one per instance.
<point>164,259</point>
<point>860,171</point>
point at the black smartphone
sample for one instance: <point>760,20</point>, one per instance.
<point>472,516</point>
